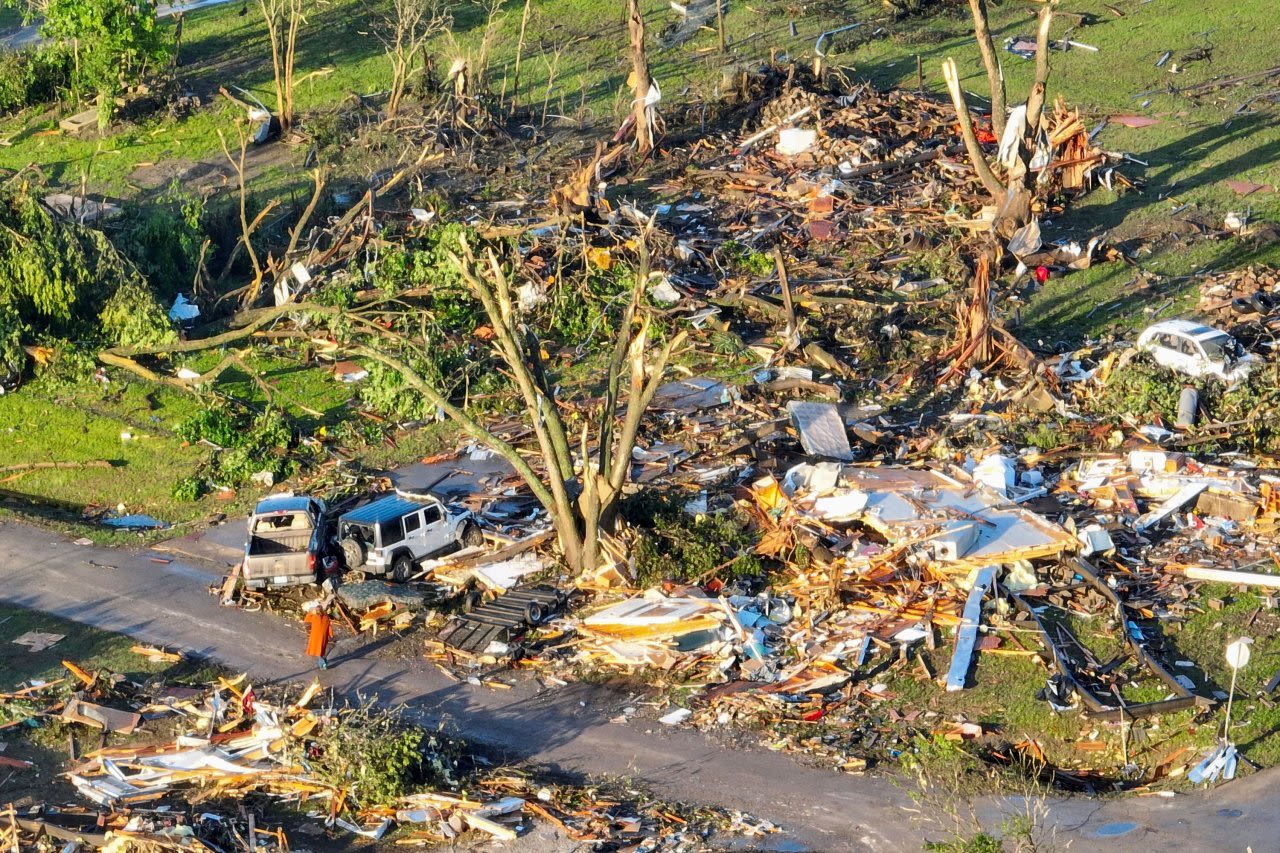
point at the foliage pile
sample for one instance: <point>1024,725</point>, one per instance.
<point>63,280</point>
<point>247,446</point>
<point>377,757</point>
<point>676,545</point>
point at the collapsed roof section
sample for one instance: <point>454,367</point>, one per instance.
<point>955,522</point>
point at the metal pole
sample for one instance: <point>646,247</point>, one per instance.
<point>1226,725</point>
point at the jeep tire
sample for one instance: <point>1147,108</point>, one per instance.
<point>353,552</point>
<point>472,535</point>
<point>401,568</point>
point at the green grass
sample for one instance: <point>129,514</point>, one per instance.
<point>1196,146</point>
<point>1111,297</point>
<point>46,422</point>
<point>89,648</point>
<point>300,389</point>
<point>1203,639</point>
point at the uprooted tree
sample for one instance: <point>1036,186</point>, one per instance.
<point>583,462</point>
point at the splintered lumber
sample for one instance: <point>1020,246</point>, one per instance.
<point>1203,573</point>
<point>156,655</point>
<point>483,824</point>
<point>1180,499</point>
<point>968,633</point>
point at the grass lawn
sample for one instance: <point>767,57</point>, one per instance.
<point>82,423</point>
<point>1195,146</point>
<point>89,648</point>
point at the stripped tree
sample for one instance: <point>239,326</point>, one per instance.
<point>995,74</point>
<point>1011,193</point>
<point>404,32</point>
<point>640,80</point>
<point>579,474</point>
<point>284,18</point>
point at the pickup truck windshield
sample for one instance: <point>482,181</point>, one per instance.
<point>291,521</point>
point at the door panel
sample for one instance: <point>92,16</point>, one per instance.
<point>414,534</point>
<point>436,527</point>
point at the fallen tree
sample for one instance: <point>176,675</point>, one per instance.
<point>583,469</point>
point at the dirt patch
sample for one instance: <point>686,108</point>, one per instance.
<point>214,172</point>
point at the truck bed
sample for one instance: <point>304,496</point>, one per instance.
<point>279,542</point>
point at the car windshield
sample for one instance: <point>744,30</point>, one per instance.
<point>1217,346</point>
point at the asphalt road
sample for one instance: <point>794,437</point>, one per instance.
<point>569,730</point>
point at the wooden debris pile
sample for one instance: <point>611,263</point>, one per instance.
<point>242,753</point>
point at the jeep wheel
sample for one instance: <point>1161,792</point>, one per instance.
<point>401,568</point>
<point>472,536</point>
<point>353,552</point>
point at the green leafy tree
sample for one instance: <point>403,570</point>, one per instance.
<point>60,279</point>
<point>114,43</point>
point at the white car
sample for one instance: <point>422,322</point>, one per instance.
<point>1195,349</point>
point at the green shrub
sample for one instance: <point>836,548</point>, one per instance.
<point>164,238</point>
<point>264,446</point>
<point>188,489</point>
<point>677,546</point>
<point>214,424</point>
<point>424,260</point>
<point>248,447</point>
<point>32,77</point>
<point>1250,407</point>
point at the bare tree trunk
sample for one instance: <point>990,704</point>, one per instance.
<point>246,229</point>
<point>291,46</point>
<point>1035,99</point>
<point>980,165</point>
<point>640,78</point>
<point>283,19</point>
<point>515,85</point>
<point>995,76</point>
<point>271,17</point>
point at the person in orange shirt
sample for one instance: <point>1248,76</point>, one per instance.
<point>321,632</point>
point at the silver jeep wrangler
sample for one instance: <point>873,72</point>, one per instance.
<point>391,535</point>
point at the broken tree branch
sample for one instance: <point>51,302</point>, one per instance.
<point>995,74</point>
<point>990,182</point>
